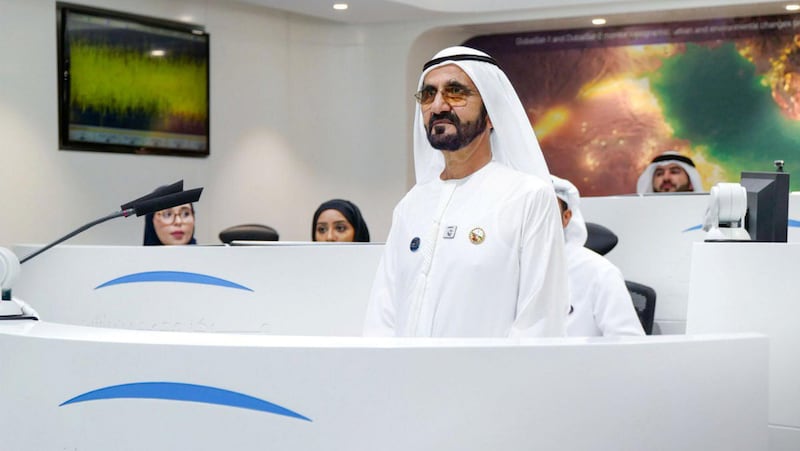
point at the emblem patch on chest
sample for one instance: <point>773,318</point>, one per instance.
<point>450,232</point>
<point>477,235</point>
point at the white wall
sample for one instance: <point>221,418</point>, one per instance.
<point>302,110</point>
<point>294,122</point>
<point>45,192</point>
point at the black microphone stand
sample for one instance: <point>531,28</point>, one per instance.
<point>162,198</point>
<point>116,214</point>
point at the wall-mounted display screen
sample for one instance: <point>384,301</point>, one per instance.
<point>131,84</point>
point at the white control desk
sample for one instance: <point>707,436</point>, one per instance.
<point>278,289</point>
<point>92,389</point>
<point>656,234</point>
<point>159,369</point>
<point>753,287</point>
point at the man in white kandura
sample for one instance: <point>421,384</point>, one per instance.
<point>476,247</point>
<point>600,303</point>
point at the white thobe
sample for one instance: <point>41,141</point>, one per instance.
<point>601,304</point>
<point>434,280</point>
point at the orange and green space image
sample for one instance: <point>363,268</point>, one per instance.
<point>724,93</point>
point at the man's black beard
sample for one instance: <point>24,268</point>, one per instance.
<point>685,188</point>
<point>465,133</point>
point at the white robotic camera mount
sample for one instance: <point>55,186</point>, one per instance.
<point>727,206</point>
<point>11,308</point>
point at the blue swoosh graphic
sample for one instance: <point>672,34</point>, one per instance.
<point>790,223</point>
<point>173,276</point>
<point>175,391</point>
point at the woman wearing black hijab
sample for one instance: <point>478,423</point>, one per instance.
<point>170,226</point>
<point>339,220</point>
<point>173,226</point>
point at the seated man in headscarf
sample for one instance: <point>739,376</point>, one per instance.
<point>670,172</point>
<point>475,248</point>
<point>600,302</point>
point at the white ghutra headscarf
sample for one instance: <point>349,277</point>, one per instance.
<point>645,182</point>
<point>513,141</point>
<point>575,232</point>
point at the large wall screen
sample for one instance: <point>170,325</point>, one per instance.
<point>605,101</point>
<point>132,84</point>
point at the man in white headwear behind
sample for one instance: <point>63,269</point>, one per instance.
<point>475,248</point>
<point>600,302</point>
<point>670,172</point>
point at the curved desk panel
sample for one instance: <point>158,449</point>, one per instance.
<point>280,289</point>
<point>92,389</point>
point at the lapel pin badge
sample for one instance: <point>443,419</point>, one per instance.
<point>477,235</point>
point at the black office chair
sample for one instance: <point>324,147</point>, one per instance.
<point>600,239</point>
<point>644,301</point>
<point>248,232</point>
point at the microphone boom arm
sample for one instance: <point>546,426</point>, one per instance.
<point>87,226</point>
<point>162,198</point>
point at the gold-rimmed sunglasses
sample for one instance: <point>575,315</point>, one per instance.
<point>454,94</point>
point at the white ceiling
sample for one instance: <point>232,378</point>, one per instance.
<point>358,12</point>
<point>547,14</point>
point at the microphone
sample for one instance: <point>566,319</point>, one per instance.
<point>160,191</point>
<point>152,205</point>
<point>160,199</point>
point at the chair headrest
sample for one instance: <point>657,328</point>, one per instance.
<point>248,232</point>
<point>600,239</point>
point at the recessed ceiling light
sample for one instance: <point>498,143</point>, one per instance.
<point>340,6</point>
<point>598,21</point>
<point>793,7</point>
<point>158,52</point>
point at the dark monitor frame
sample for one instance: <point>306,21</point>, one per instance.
<point>767,215</point>
<point>145,127</point>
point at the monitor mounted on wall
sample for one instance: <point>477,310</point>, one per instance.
<point>129,83</point>
<point>767,214</point>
